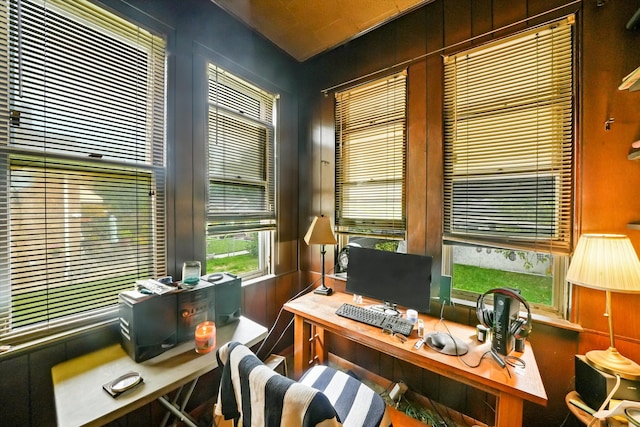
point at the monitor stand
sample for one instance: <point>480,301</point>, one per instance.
<point>387,308</point>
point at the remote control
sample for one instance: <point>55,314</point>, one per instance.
<point>154,286</point>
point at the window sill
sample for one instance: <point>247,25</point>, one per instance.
<point>106,320</point>
<point>53,339</point>
<point>260,279</point>
<point>548,319</point>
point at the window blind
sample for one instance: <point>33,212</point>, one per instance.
<point>371,157</point>
<point>241,163</point>
<point>509,135</point>
<point>82,161</point>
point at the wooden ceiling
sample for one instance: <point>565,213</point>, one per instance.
<point>305,28</point>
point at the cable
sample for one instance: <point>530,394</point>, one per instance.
<point>508,360</point>
<point>515,361</point>
<point>281,335</point>
<point>275,323</point>
<point>435,408</point>
<point>606,401</point>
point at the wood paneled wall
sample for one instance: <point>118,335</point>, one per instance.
<point>607,199</point>
<point>197,31</point>
<point>608,192</point>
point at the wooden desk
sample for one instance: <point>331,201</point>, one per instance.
<point>81,401</point>
<point>317,312</point>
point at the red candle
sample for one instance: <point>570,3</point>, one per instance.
<point>205,337</point>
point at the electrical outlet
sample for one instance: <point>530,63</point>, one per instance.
<point>397,391</point>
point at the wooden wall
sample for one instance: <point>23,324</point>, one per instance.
<point>607,199</point>
<point>197,31</point>
<point>610,195</point>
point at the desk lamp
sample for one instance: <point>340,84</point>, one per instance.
<point>607,262</point>
<point>321,233</point>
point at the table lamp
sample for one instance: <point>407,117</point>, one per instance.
<point>321,233</point>
<point>607,262</point>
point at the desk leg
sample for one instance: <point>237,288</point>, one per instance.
<point>301,334</point>
<point>177,412</point>
<point>317,344</point>
<point>509,411</point>
<point>308,346</point>
<point>176,408</point>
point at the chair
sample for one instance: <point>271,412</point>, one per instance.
<point>253,395</point>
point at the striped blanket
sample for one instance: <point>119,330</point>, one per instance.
<point>356,404</point>
<point>255,396</point>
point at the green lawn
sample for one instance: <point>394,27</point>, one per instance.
<point>237,264</point>
<point>223,246</point>
<point>535,289</point>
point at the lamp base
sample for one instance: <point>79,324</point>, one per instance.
<point>323,290</point>
<point>612,362</point>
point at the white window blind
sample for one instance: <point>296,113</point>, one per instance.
<point>82,162</point>
<point>509,136</point>
<point>371,157</point>
<point>241,164</point>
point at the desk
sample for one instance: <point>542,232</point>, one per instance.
<point>77,383</point>
<point>315,314</point>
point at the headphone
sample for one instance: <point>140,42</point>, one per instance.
<point>520,328</point>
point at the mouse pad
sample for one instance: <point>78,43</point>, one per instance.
<point>444,343</point>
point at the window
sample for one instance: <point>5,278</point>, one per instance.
<point>508,172</point>
<point>370,162</point>
<point>241,167</point>
<point>82,164</point>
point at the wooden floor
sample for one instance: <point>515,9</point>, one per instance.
<point>399,419</point>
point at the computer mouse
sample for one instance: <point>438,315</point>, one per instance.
<point>438,340</point>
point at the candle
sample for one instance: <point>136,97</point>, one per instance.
<point>205,337</point>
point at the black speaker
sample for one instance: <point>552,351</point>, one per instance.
<point>195,305</point>
<point>228,297</point>
<point>594,386</point>
<point>503,318</point>
<point>147,324</point>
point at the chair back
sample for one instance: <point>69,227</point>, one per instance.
<point>253,395</point>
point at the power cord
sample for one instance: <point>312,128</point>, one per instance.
<point>275,323</point>
<point>502,362</point>
<point>607,400</point>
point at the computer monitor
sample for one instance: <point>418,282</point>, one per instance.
<point>390,277</point>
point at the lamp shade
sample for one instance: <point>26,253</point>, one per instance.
<point>605,261</point>
<point>320,232</point>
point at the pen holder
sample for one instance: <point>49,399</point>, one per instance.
<point>205,337</point>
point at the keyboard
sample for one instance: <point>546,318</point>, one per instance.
<point>375,318</point>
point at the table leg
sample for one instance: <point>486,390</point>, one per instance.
<point>175,411</point>
<point>301,336</point>
<point>509,411</point>
<point>180,407</point>
<point>319,348</point>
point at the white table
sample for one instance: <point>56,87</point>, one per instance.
<point>81,401</point>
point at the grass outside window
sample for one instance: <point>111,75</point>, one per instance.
<point>534,288</point>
